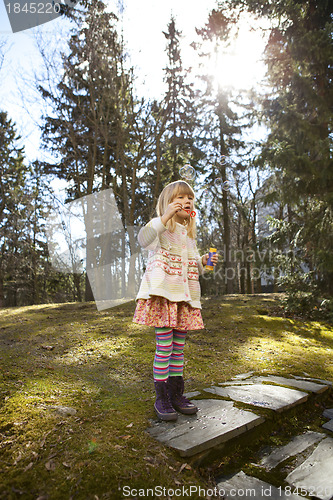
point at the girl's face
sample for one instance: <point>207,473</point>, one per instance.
<point>187,201</point>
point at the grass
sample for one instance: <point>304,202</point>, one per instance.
<point>98,365</point>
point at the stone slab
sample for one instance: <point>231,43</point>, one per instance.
<point>328,413</point>
<point>215,423</point>
<point>242,376</point>
<point>192,394</point>
<point>268,396</point>
<point>314,475</point>
<point>293,448</point>
<point>304,385</point>
<point>237,382</point>
<point>319,380</point>
<point>328,425</point>
<point>241,486</point>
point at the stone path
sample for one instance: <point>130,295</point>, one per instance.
<point>315,475</point>
<point>304,385</point>
<point>242,486</point>
<point>263,395</point>
<point>220,420</point>
<point>294,447</point>
<point>216,422</point>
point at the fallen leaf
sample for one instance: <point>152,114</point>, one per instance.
<point>28,467</point>
<point>18,458</point>
<point>62,410</point>
<point>182,468</point>
<point>130,425</point>
<point>50,465</point>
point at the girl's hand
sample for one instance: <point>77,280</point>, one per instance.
<point>215,259</point>
<point>171,210</point>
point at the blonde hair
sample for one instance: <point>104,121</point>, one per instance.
<point>169,193</point>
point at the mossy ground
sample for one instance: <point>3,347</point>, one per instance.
<point>100,364</point>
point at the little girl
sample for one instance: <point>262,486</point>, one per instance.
<point>169,295</point>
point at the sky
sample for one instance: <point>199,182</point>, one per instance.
<point>143,22</point>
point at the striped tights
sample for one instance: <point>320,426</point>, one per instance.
<point>169,355</point>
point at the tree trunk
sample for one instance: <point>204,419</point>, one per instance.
<point>2,298</point>
<point>226,222</point>
<point>88,295</point>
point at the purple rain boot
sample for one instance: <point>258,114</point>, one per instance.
<point>178,401</point>
<point>163,406</point>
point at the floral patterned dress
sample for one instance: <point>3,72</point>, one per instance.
<point>161,312</point>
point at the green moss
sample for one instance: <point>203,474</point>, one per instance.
<point>100,364</point>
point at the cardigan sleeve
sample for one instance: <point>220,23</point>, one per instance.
<point>148,236</point>
<point>201,268</point>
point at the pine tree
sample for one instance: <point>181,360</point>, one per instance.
<point>93,122</point>
<point>23,255</point>
<point>81,132</point>
<point>298,113</point>
<point>221,127</point>
<point>172,125</point>
<point>181,117</point>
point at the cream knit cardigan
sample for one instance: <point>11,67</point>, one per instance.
<point>174,264</point>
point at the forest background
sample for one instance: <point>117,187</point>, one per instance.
<point>265,204</point>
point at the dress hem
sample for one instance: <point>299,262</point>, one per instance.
<point>161,312</point>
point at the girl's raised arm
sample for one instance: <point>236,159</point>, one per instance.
<point>148,236</point>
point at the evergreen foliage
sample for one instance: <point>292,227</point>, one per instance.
<point>298,114</point>
<point>26,276</point>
